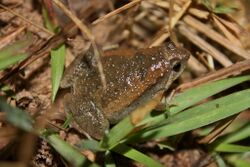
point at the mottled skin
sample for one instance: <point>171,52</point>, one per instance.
<point>132,79</point>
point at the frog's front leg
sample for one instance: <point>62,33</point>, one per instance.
<point>78,68</point>
<point>87,115</point>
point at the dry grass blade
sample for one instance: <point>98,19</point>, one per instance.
<point>117,11</point>
<point>4,41</point>
<point>85,30</point>
<point>233,26</point>
<point>217,130</point>
<point>234,69</point>
<point>199,13</point>
<point>242,34</point>
<point>159,40</point>
<point>10,7</point>
<point>194,38</point>
<point>170,23</point>
<point>178,15</point>
<point>226,32</point>
<point>196,66</point>
<point>194,11</point>
<point>26,20</point>
<point>196,24</point>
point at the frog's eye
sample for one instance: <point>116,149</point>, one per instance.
<point>176,67</point>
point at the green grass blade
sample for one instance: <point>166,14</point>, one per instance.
<point>241,163</point>
<point>134,154</point>
<point>68,152</point>
<point>17,117</point>
<point>239,160</point>
<point>15,48</point>
<point>195,95</point>
<point>57,63</point>
<point>224,9</point>
<point>219,160</point>
<point>218,8</point>
<point>117,133</point>
<point>237,135</point>
<point>231,148</point>
<point>48,23</point>
<point>199,116</point>
<point>6,62</point>
<point>92,145</point>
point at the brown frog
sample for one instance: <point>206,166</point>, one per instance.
<point>133,78</point>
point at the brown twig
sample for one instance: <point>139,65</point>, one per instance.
<point>234,69</point>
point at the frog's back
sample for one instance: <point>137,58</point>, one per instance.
<point>130,80</point>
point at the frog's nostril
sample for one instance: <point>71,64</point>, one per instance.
<point>177,67</point>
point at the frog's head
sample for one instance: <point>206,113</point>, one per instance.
<point>177,58</point>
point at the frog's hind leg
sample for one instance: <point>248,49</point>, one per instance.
<point>88,116</point>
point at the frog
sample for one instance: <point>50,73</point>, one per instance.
<point>132,77</point>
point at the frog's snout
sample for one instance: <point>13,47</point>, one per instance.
<point>178,60</point>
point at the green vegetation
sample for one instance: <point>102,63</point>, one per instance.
<point>185,116</point>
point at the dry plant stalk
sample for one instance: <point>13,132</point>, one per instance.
<point>222,125</point>
<point>234,69</point>
<point>226,32</point>
<point>159,39</point>
<point>117,11</point>
<point>194,38</point>
<point>215,36</point>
